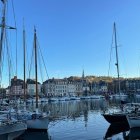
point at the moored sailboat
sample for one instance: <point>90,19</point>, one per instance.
<point>34,119</point>
<point>8,125</point>
<point>120,116</point>
<point>38,120</point>
<point>134,118</point>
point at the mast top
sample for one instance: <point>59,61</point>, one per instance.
<point>34,29</point>
<point>3,1</point>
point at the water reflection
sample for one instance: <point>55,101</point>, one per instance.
<point>11,136</point>
<point>81,120</point>
<point>74,109</point>
<point>34,135</point>
<point>114,129</point>
<point>134,134</point>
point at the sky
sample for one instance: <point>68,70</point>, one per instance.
<point>76,35</point>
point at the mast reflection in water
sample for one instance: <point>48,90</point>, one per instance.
<point>80,120</point>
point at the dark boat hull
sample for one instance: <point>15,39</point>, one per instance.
<point>134,134</point>
<point>115,118</point>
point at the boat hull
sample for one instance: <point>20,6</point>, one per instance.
<point>12,128</point>
<point>115,118</point>
<point>133,121</point>
<point>95,97</point>
<point>134,133</point>
<point>39,123</point>
<point>14,135</point>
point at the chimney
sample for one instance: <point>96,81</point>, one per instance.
<point>15,78</point>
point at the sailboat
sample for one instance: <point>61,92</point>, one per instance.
<point>38,120</point>
<point>34,120</point>
<point>118,116</point>
<point>133,120</point>
<point>8,125</point>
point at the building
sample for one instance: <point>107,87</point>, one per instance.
<point>85,84</point>
<point>16,86</point>
<point>79,87</point>
<point>55,87</point>
<point>99,87</point>
<point>132,85</point>
<point>62,87</point>
<point>31,88</point>
<point>49,87</point>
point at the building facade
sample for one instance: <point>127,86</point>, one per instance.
<point>16,86</point>
<point>62,87</point>
<point>31,88</point>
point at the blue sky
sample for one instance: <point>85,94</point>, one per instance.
<point>76,35</point>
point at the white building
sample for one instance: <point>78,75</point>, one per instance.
<point>71,88</point>
<point>31,87</point>
<point>55,87</point>
<point>49,87</point>
<point>62,87</point>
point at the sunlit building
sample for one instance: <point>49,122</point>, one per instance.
<point>16,86</point>
<point>31,87</point>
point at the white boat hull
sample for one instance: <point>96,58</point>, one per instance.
<point>53,99</point>
<point>39,123</point>
<point>12,128</point>
<point>120,96</point>
<point>74,98</point>
<point>95,97</point>
<point>133,121</point>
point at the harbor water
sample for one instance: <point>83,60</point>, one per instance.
<point>81,120</point>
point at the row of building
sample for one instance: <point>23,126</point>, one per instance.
<point>71,86</point>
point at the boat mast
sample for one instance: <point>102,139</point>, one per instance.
<point>24,63</point>
<point>36,80</point>
<point>2,32</point>
<point>3,28</point>
<point>117,59</point>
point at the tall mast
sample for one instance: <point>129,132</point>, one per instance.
<point>36,80</point>
<point>2,30</point>
<point>83,78</point>
<point>24,63</point>
<point>117,59</point>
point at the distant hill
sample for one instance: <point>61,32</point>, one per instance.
<point>92,78</point>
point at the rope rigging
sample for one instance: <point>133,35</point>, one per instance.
<point>31,63</point>
<point>43,60</point>
<point>39,48</point>
<point>15,26</point>
<point>110,53</point>
<point>40,66</point>
<point>40,56</point>
<point>10,65</point>
<point>4,44</point>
